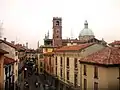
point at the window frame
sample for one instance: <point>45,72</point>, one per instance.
<point>56,60</point>
<point>68,63</point>
<point>68,74</point>
<point>85,70</point>
<point>95,85</point>
<point>85,84</point>
<point>61,61</point>
<point>96,72</point>
<point>75,63</point>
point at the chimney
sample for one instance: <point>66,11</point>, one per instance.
<point>5,39</point>
<point>13,42</point>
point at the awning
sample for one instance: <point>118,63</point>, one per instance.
<point>8,60</point>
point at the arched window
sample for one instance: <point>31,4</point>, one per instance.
<point>57,23</point>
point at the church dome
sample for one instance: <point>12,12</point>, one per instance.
<point>86,31</point>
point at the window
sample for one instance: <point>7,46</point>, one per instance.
<point>75,79</point>
<point>67,75</point>
<point>40,64</point>
<point>57,36</point>
<point>75,62</point>
<point>6,70</point>
<point>85,70</point>
<point>16,53</point>
<point>61,61</point>
<point>57,31</point>
<point>9,68</point>
<point>67,62</point>
<point>95,72</point>
<point>56,70</point>
<point>56,60</point>
<point>61,72</point>
<point>95,86</point>
<point>85,84</point>
<point>57,23</point>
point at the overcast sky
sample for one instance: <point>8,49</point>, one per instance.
<point>29,20</point>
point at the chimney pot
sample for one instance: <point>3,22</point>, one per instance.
<point>5,39</point>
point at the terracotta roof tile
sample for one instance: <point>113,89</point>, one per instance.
<point>19,47</point>
<point>107,56</point>
<point>8,43</point>
<point>8,60</point>
<point>73,47</point>
<point>115,43</point>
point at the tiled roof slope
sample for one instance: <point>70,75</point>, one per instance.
<point>30,51</point>
<point>20,47</point>
<point>106,56</point>
<point>73,47</point>
<point>115,43</point>
<point>8,43</point>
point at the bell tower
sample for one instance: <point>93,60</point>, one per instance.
<point>57,31</point>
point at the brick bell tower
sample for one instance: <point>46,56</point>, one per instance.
<point>57,31</point>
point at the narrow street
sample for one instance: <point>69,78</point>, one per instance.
<point>31,78</point>
<point>31,82</point>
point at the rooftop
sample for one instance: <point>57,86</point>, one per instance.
<point>73,47</point>
<point>106,56</point>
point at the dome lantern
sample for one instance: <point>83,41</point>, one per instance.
<point>86,24</point>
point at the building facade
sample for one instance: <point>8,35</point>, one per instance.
<point>100,70</point>
<point>7,46</point>
<point>2,52</point>
<point>63,65</point>
<point>21,65</point>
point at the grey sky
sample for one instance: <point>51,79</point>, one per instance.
<point>29,20</point>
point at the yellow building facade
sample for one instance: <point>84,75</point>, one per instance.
<point>107,78</point>
<point>101,71</point>
<point>67,67</point>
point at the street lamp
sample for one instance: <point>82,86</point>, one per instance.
<point>25,72</point>
<point>25,69</point>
